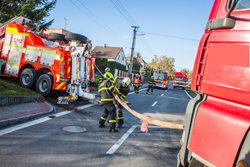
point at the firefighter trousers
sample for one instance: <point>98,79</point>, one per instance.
<point>136,88</point>
<point>150,87</point>
<point>120,118</point>
<point>109,110</point>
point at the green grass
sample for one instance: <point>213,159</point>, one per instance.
<point>190,92</point>
<point>9,89</point>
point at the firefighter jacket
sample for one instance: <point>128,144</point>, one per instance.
<point>151,82</point>
<point>106,90</point>
<point>121,91</point>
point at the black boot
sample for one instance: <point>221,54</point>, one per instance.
<point>120,123</point>
<point>113,130</point>
<point>102,126</point>
<point>101,123</point>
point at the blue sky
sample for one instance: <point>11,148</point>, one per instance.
<point>102,23</point>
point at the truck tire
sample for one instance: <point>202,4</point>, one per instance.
<point>78,37</point>
<point>56,36</point>
<point>44,84</point>
<point>28,78</point>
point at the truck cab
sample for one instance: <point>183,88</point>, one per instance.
<point>216,128</point>
<point>180,80</point>
<point>161,79</point>
<point>42,63</point>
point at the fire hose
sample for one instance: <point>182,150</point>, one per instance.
<point>145,119</point>
<point>148,120</point>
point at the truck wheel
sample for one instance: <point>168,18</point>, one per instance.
<point>44,84</point>
<point>78,37</point>
<point>28,78</point>
<point>56,36</point>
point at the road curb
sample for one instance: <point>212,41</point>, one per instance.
<point>10,100</point>
<point>15,120</point>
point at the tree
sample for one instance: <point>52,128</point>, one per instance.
<point>101,64</point>
<point>164,63</point>
<point>35,10</point>
<point>188,72</point>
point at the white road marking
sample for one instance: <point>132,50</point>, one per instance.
<point>166,91</point>
<point>154,103</point>
<point>170,97</point>
<point>188,94</point>
<point>116,146</point>
<point>31,123</point>
<point>162,94</point>
<point>85,106</point>
<point>139,91</point>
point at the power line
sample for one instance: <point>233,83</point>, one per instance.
<point>93,18</point>
<point>121,12</point>
<point>96,17</point>
<point>125,11</point>
<point>170,36</point>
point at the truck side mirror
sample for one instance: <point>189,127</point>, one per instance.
<point>221,23</point>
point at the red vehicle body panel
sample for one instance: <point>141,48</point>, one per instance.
<point>222,72</point>
<point>180,74</point>
<point>219,129</point>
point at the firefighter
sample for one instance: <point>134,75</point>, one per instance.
<point>107,71</point>
<point>122,89</point>
<point>136,83</point>
<point>106,90</point>
<point>151,83</point>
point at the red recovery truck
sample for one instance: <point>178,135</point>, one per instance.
<point>217,123</point>
<point>180,79</point>
<point>43,64</point>
<point>161,79</point>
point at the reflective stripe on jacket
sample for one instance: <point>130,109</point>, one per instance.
<point>151,82</point>
<point>122,91</point>
<point>105,91</point>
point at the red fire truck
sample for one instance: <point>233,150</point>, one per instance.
<point>42,62</point>
<point>161,79</point>
<point>217,123</point>
<point>180,79</point>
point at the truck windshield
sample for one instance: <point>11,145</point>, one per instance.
<point>160,76</point>
<point>242,4</point>
<point>180,79</point>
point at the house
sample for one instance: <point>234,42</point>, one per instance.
<point>138,63</point>
<point>110,53</point>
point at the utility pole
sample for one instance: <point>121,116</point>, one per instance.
<point>65,23</point>
<point>132,50</point>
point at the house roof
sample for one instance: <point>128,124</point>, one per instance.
<point>141,61</point>
<point>107,52</point>
<point>137,60</point>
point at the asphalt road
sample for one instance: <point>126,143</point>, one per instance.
<point>48,144</point>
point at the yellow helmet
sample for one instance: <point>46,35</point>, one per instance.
<point>108,75</point>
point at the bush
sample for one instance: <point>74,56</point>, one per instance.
<point>103,63</point>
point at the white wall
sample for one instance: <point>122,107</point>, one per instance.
<point>121,58</point>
